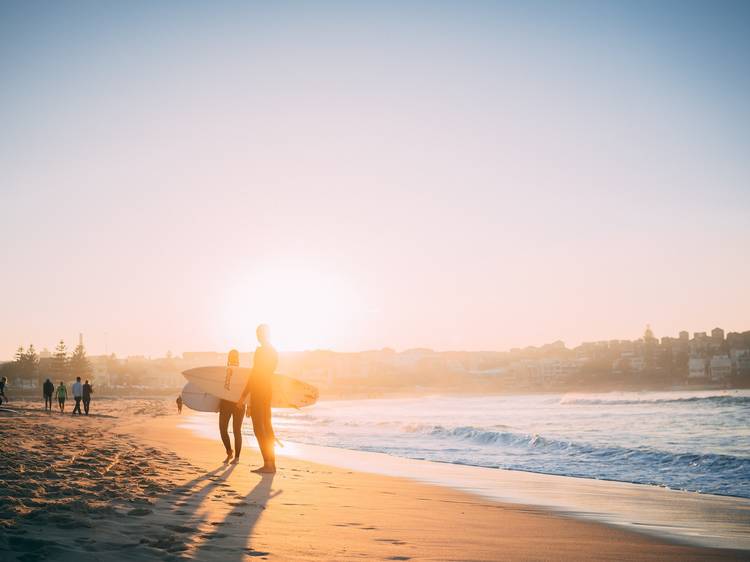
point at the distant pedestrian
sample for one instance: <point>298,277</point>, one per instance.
<point>87,392</point>
<point>77,389</point>
<point>49,390</point>
<point>179,404</point>
<point>2,389</point>
<point>62,394</point>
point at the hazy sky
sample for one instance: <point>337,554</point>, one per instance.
<point>458,175</point>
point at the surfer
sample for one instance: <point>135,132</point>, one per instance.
<point>234,411</point>
<point>259,387</point>
<point>3,381</point>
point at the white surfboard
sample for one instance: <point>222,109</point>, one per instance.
<point>195,398</point>
<point>228,383</point>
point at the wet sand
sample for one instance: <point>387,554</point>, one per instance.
<point>130,484</point>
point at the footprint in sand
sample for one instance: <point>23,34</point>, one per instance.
<point>251,552</point>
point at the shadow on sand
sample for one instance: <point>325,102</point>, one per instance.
<point>190,512</point>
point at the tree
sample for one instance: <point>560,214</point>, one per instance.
<point>79,365</point>
<point>59,367</point>
<point>30,362</point>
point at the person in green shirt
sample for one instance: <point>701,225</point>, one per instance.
<point>62,394</point>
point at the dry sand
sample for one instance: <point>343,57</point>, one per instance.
<point>130,484</point>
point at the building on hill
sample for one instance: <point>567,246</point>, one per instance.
<point>720,368</point>
<point>697,369</point>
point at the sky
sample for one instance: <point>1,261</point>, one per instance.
<point>453,175</point>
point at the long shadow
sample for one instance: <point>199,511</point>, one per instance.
<point>242,519</point>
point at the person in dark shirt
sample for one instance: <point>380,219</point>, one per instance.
<point>259,386</point>
<point>234,411</point>
<point>86,395</point>
<point>48,389</point>
<point>179,404</point>
<point>2,389</point>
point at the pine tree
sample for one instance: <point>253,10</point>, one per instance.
<point>59,366</point>
<point>79,365</point>
<point>30,363</point>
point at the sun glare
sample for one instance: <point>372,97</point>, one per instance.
<point>306,308</point>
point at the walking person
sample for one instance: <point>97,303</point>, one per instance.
<point>77,389</point>
<point>62,394</point>
<point>87,392</point>
<point>48,390</point>
<point>259,386</point>
<point>179,404</point>
<point>234,411</point>
<point>3,381</point>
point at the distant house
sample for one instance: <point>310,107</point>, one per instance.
<point>697,368</point>
<point>720,368</point>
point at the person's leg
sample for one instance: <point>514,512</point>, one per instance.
<point>77,407</point>
<point>224,415</point>
<point>86,402</point>
<point>269,435</point>
<point>237,415</point>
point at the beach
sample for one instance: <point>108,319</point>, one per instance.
<point>132,482</point>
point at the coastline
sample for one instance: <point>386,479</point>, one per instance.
<point>131,483</point>
<point>691,518</point>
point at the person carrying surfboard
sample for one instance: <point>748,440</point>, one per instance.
<point>234,411</point>
<point>259,388</point>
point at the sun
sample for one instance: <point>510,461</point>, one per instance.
<point>306,308</point>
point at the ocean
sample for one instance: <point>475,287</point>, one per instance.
<point>685,440</point>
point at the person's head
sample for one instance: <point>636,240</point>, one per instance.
<point>263,333</point>
<point>62,383</point>
<point>87,381</point>
<point>4,379</point>
<point>48,380</point>
<point>233,359</point>
<point>78,379</point>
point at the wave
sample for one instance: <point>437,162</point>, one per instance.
<point>722,400</point>
<point>583,452</point>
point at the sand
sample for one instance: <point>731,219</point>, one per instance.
<point>130,484</point>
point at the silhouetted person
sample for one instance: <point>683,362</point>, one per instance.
<point>2,389</point>
<point>48,389</point>
<point>86,395</point>
<point>179,404</point>
<point>234,411</point>
<point>260,388</point>
<point>77,389</point>
<point>62,394</point>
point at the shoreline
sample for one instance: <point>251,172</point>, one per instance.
<point>705,520</point>
<point>131,484</point>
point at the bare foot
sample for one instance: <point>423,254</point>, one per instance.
<point>230,454</point>
<point>265,469</point>
<point>235,460</point>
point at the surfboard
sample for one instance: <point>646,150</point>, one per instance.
<point>195,398</point>
<point>228,383</point>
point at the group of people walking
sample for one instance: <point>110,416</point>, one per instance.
<point>81,394</point>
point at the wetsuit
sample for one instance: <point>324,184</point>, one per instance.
<point>48,389</point>
<point>264,365</point>
<point>231,410</point>
<point>87,391</point>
